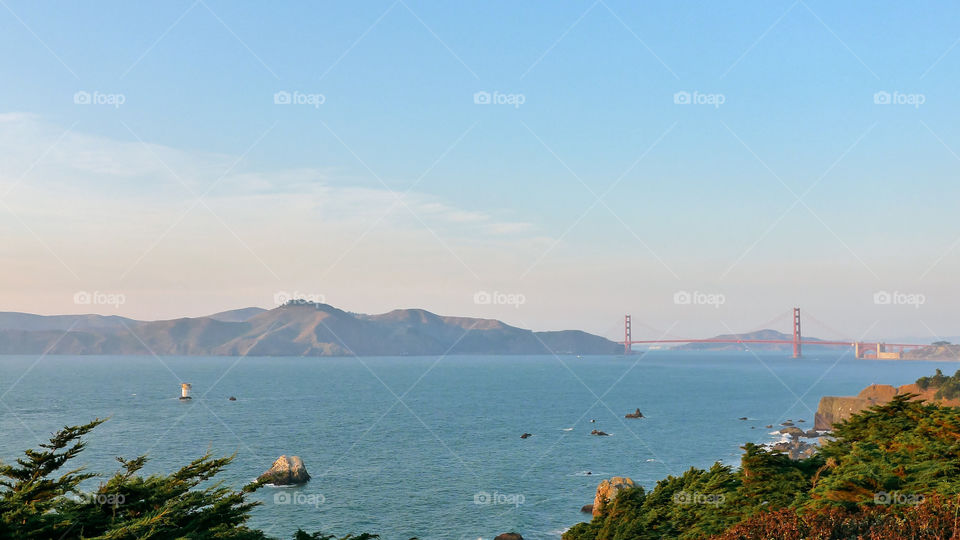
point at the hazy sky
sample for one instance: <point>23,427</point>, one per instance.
<point>757,155</point>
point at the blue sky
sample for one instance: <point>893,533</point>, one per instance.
<point>502,198</point>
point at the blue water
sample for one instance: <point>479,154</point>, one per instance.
<point>418,466</point>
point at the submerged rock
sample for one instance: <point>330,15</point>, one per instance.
<point>508,536</point>
<point>526,435</point>
<point>286,471</point>
<point>599,433</point>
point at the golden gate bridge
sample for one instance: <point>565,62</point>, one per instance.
<point>861,349</point>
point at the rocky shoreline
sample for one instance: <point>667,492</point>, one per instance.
<point>834,409</point>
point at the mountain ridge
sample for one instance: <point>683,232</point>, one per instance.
<point>294,329</point>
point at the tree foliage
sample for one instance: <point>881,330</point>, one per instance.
<point>892,471</point>
<point>37,500</point>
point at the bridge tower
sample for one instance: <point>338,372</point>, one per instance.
<point>796,332</point>
<point>627,347</point>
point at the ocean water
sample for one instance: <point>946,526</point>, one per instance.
<point>426,446</point>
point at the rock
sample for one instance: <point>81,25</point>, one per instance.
<point>587,509</point>
<point>286,471</point>
<point>788,423</point>
<point>599,433</point>
<point>607,491</point>
<point>634,414</point>
<point>834,409</point>
<point>801,420</point>
<point>792,431</point>
<point>526,435</point>
<point>811,434</point>
<point>742,418</point>
<point>796,449</point>
<point>231,398</point>
<point>508,536</point>
<point>768,426</point>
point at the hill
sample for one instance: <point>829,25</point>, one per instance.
<point>759,334</point>
<point>296,329</point>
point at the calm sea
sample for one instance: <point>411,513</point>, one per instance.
<point>424,446</point>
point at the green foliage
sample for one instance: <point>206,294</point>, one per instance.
<point>890,469</point>
<point>689,506</point>
<point>37,501</point>
<point>948,387</point>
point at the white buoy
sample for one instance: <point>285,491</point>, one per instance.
<point>185,390</point>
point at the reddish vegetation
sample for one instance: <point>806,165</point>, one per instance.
<point>936,518</point>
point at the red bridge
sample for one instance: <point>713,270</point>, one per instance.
<point>862,349</point>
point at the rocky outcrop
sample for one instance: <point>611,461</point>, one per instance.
<point>634,414</point>
<point>286,471</point>
<point>792,431</point>
<point>607,491</point>
<point>599,433</point>
<point>508,536</point>
<point>835,409</point>
<point>796,449</point>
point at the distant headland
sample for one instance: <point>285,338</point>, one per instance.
<point>294,329</point>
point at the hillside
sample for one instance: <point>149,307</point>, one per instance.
<point>938,351</point>
<point>759,334</point>
<point>290,330</point>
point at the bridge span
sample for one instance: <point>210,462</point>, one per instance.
<point>861,349</point>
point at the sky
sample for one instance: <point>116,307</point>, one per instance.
<point>704,167</point>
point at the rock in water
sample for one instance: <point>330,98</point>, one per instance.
<point>634,414</point>
<point>508,536</point>
<point>587,509</point>
<point>286,471</point>
<point>607,491</point>
<point>792,431</point>
<point>526,435</point>
<point>599,433</point>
